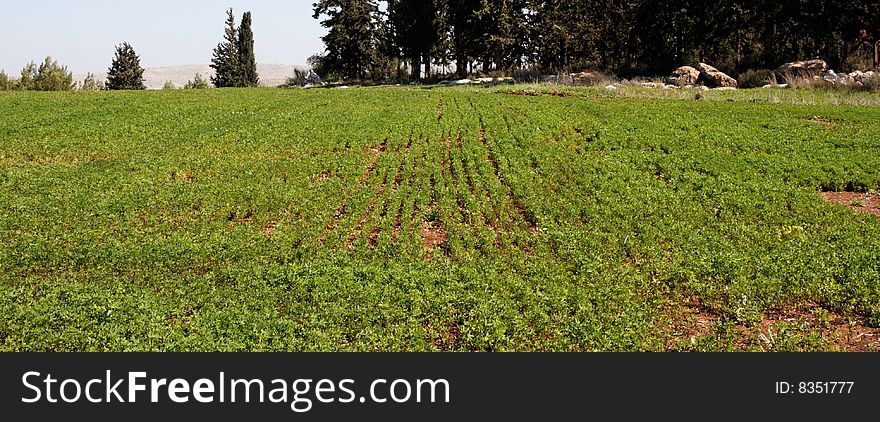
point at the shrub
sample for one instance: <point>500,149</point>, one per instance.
<point>49,76</point>
<point>803,79</point>
<point>91,83</point>
<point>298,79</point>
<point>197,83</point>
<point>6,84</point>
<point>169,85</point>
<point>754,78</point>
<point>527,76</point>
<point>318,63</point>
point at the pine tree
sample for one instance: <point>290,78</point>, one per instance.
<point>246,59</point>
<point>468,32</point>
<point>125,72</point>
<point>50,76</point>
<point>5,82</point>
<point>26,82</point>
<point>415,31</point>
<point>351,39</point>
<point>227,71</point>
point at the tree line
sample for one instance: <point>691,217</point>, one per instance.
<point>233,61</point>
<point>372,39</point>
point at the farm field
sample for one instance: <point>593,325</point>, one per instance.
<point>439,219</point>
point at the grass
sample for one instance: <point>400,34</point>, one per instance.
<point>294,220</point>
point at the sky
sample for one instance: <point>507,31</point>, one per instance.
<point>82,34</point>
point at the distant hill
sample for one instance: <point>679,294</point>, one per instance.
<point>270,74</point>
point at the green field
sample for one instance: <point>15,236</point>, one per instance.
<point>436,219</point>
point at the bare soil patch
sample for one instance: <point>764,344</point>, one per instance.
<point>858,202</point>
<point>433,236</point>
<point>692,321</point>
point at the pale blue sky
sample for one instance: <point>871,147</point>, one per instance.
<point>82,34</point>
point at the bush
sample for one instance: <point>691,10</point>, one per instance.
<point>91,83</point>
<point>318,64</point>
<point>6,84</point>
<point>754,78</point>
<point>298,79</point>
<point>803,79</point>
<point>527,76</point>
<point>197,83</point>
<point>169,85</point>
<point>49,76</point>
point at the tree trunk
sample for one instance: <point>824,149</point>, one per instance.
<point>877,55</point>
<point>416,67</point>
<point>461,67</point>
<point>427,67</point>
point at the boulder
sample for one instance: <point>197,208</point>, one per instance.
<point>838,79</point>
<point>685,75</point>
<point>863,78</point>
<point>802,69</point>
<point>586,78</point>
<point>611,88</point>
<point>456,82</point>
<point>715,78</point>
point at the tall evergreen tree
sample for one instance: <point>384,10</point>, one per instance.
<point>351,39</point>
<point>227,69</point>
<point>125,72</point>
<point>246,60</point>
<point>415,31</point>
<point>468,32</point>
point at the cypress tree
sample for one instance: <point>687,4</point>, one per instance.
<point>125,71</point>
<point>247,62</point>
<point>226,59</point>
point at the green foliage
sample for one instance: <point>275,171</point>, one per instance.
<point>316,63</point>
<point>754,78</point>
<point>351,37</point>
<point>169,85</point>
<point>125,72</point>
<point>223,220</point>
<point>26,82</point>
<point>226,64</point>
<point>246,60</point>
<point>91,83</point>
<point>48,76</point>
<point>626,38</point>
<point>197,83</point>
<point>6,84</point>
<point>234,62</point>
<point>298,79</point>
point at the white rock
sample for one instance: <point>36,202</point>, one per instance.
<point>725,88</point>
<point>649,85</point>
<point>611,88</point>
<point>704,88</point>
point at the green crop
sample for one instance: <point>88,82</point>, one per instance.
<point>409,219</point>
